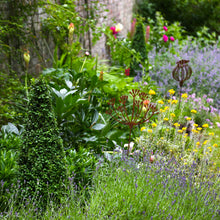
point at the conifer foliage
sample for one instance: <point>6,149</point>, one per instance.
<point>42,167</point>
<point>138,43</point>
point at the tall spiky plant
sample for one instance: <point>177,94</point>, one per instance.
<point>42,167</point>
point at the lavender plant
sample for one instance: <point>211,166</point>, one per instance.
<point>205,78</point>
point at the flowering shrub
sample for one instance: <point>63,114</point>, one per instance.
<point>175,132</point>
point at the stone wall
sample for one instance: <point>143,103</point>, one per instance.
<point>119,11</point>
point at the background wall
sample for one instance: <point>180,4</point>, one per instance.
<point>118,10</point>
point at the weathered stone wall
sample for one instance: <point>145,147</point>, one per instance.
<point>118,10</point>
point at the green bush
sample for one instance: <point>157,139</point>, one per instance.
<point>41,163</point>
<point>138,43</point>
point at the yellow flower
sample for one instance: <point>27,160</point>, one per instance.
<point>27,58</point>
<point>194,130</point>
<point>210,149</point>
<point>183,128</point>
<point>171,91</point>
<point>171,150</point>
<point>196,125</point>
<point>173,115</point>
<point>174,101</point>
<point>199,128</point>
<point>188,118</point>
<point>149,130</point>
<point>176,124</point>
<point>162,138</point>
<point>214,164</point>
<point>193,111</point>
<point>205,126</point>
<point>206,152</point>
<point>197,143</point>
<point>184,95</point>
<point>166,108</point>
<point>215,145</point>
<point>211,133</point>
<point>118,27</point>
<point>195,150</point>
<point>169,100</point>
<point>152,92</point>
<point>180,131</point>
<point>205,142</point>
<point>162,110</point>
<point>185,135</point>
<point>167,129</point>
<point>154,125</point>
<point>143,128</point>
<point>160,102</point>
<point>185,163</point>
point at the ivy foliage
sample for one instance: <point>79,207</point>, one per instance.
<point>42,168</point>
<point>138,43</point>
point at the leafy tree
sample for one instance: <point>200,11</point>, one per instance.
<point>42,168</point>
<point>139,45</point>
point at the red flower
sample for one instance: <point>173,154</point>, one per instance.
<point>127,71</point>
<point>165,38</point>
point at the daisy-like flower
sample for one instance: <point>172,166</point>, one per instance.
<point>184,95</point>
<point>176,124</point>
<point>199,128</point>
<point>152,92</point>
<point>188,118</point>
<point>205,126</point>
<point>154,125</point>
<point>215,145</point>
<point>166,119</point>
<point>184,128</point>
<point>160,102</point>
<point>143,128</point>
<point>180,131</point>
<point>174,101</point>
<point>173,115</point>
<point>193,111</point>
<point>149,130</point>
<point>171,91</point>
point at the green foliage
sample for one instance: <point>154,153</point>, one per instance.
<point>81,165</point>
<point>11,98</point>
<point>41,162</point>
<point>192,14</point>
<point>138,44</point>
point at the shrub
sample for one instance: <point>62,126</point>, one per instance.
<point>138,43</point>
<point>42,166</point>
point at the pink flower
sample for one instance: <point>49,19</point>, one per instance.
<point>165,28</point>
<point>172,38</point>
<point>147,33</point>
<point>152,158</point>
<point>133,24</point>
<point>113,30</point>
<point>127,71</point>
<point>165,38</point>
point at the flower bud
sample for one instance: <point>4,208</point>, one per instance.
<point>27,58</point>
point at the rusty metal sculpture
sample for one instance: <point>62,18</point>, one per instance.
<point>137,116</point>
<point>181,73</point>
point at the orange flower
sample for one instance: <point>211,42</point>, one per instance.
<point>146,103</point>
